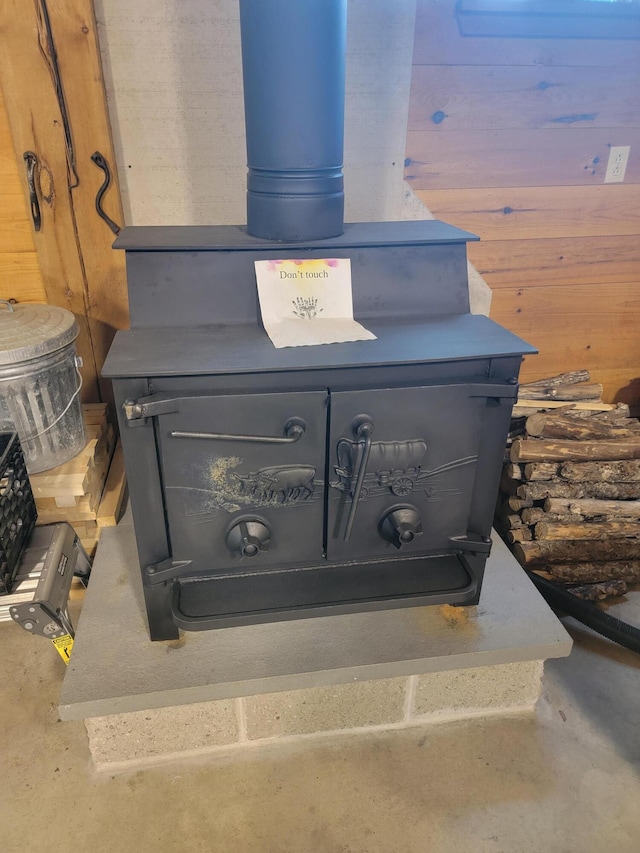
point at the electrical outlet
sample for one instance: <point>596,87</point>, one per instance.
<point>617,165</point>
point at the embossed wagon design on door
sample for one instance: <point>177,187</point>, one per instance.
<point>393,466</point>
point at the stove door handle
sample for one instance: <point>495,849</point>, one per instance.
<point>294,429</point>
<point>363,428</point>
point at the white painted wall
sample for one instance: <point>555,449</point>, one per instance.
<point>174,87</point>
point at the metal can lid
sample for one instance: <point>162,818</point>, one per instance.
<point>28,331</point>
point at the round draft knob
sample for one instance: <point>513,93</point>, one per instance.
<point>248,537</point>
<point>400,525</point>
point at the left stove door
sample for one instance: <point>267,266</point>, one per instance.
<point>243,479</point>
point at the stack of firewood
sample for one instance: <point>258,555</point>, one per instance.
<point>569,503</point>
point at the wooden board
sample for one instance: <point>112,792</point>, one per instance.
<point>114,491</point>
<point>438,42</point>
<point>511,158</point>
<point>497,97</point>
<point>568,260</point>
<point>528,213</point>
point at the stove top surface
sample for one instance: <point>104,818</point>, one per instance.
<point>241,348</point>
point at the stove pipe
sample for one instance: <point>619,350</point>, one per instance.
<point>293,60</point>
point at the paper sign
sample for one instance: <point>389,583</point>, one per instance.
<point>308,302</point>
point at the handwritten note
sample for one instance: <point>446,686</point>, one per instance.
<point>308,302</point>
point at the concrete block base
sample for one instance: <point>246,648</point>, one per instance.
<point>226,690</point>
<point>123,741</point>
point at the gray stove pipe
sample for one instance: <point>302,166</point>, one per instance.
<point>293,61</point>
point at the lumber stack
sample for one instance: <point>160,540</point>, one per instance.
<point>569,503</point>
<point>88,490</point>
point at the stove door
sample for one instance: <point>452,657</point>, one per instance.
<point>402,469</point>
<point>243,479</point>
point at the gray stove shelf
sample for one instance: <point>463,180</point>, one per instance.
<point>246,348</point>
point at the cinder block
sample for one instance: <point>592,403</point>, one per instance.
<point>317,709</point>
<point>492,688</point>
<point>161,732</point>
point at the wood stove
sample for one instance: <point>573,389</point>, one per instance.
<point>271,484</point>
<point>279,483</point>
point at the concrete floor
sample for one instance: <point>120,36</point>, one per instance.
<point>565,779</point>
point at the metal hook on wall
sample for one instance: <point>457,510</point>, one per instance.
<point>102,164</point>
<point>31,161</point>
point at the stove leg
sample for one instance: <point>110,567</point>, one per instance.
<point>158,600</point>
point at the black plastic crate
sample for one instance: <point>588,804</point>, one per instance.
<point>17,508</point>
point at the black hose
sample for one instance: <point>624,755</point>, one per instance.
<point>613,629</point>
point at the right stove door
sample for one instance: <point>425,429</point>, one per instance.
<point>403,466</point>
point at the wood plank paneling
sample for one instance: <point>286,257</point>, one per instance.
<point>438,42</point>
<point>491,158</point>
<point>36,125</point>
<point>586,326</point>
<point>527,213</point>
<point>20,277</point>
<point>467,98</point>
<point>572,260</point>
<point>80,271</point>
<point>15,228</point>
<point>509,138</point>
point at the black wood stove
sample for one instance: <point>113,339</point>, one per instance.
<point>271,484</point>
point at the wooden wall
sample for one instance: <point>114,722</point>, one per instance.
<point>20,277</point>
<point>54,102</point>
<point>509,138</point>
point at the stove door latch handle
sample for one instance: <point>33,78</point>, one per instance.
<point>362,429</point>
<point>479,546</point>
<point>294,429</point>
<point>166,570</point>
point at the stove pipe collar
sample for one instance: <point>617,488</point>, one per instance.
<point>293,60</point>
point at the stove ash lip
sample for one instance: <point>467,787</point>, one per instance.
<point>293,61</point>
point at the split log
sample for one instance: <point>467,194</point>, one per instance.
<point>581,551</point>
<point>527,406</point>
<point>521,534</point>
<point>583,391</point>
<point>508,520</point>
<point>554,530</point>
<point>531,515</point>
<point>516,504</point>
<point>512,471</point>
<point>593,507</point>
<point>539,490</point>
<point>535,514</point>
<point>548,450</point>
<point>540,470</point>
<point>589,572</point>
<point>549,425</point>
<point>571,377</point>
<point>598,591</point>
<point>620,412</point>
<point>618,472</point>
